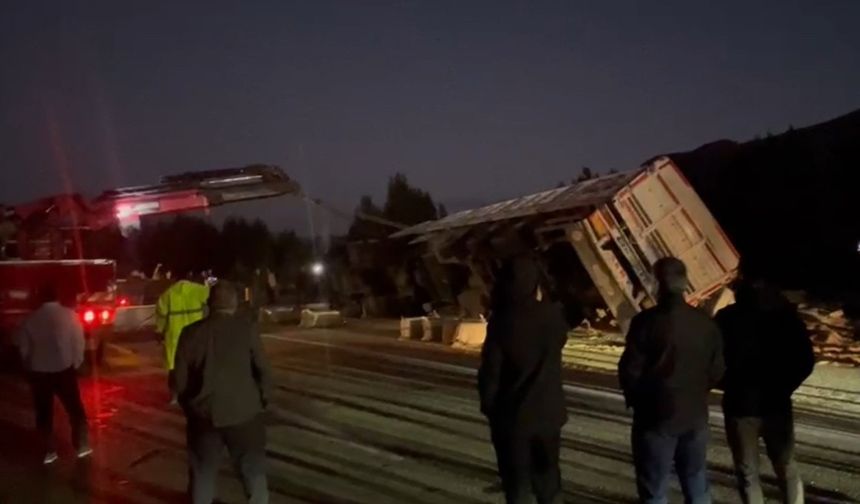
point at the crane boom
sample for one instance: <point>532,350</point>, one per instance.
<point>197,191</point>
<point>42,228</point>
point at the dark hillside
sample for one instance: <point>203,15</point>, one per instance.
<point>790,202</point>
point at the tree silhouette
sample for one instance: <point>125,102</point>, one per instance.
<point>290,254</point>
<point>237,251</point>
<point>407,204</point>
<point>108,243</point>
<point>181,244</point>
<point>585,174</point>
<point>362,229</point>
<point>404,204</point>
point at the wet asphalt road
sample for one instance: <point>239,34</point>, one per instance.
<point>363,419</point>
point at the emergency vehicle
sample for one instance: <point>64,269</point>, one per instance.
<point>41,241</point>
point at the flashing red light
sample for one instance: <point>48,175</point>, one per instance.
<point>89,316</point>
<point>123,211</point>
<point>105,316</point>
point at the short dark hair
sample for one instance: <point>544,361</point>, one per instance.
<point>671,274</point>
<point>223,297</point>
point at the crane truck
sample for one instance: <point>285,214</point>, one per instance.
<point>40,241</point>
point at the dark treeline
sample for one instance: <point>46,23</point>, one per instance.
<point>240,248</point>
<point>404,204</point>
<point>235,250</point>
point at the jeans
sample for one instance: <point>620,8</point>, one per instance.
<point>528,465</point>
<point>655,452</point>
<point>64,385</point>
<point>246,444</point>
<point>777,431</point>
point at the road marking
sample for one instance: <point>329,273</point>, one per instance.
<point>836,438</point>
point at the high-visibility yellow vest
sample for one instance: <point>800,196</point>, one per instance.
<point>180,306</point>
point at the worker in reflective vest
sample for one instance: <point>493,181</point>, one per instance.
<point>178,307</point>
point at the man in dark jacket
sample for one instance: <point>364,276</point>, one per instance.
<point>520,384</point>
<point>768,355</point>
<point>223,382</point>
<point>672,359</point>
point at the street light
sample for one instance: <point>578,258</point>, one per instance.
<point>317,269</point>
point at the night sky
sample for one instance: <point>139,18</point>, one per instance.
<point>474,101</point>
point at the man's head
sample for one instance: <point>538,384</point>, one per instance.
<point>519,278</point>
<point>223,298</point>
<point>753,285</point>
<point>671,274</point>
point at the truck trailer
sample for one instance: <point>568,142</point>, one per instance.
<point>601,235</point>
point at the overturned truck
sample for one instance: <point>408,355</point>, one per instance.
<point>598,240</point>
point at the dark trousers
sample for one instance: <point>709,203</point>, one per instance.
<point>528,465</point>
<point>63,385</point>
<point>654,454</point>
<point>171,382</point>
<point>246,444</point>
<point>777,431</point>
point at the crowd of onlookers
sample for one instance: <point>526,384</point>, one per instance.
<point>757,351</point>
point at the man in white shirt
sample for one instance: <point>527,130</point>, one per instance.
<point>51,343</point>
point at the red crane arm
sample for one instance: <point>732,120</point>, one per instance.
<point>47,219</point>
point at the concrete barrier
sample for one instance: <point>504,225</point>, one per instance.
<point>449,330</point>
<point>433,330</point>
<point>321,319</point>
<point>413,328</point>
<point>470,333</point>
<point>422,328</point>
<point>280,314</point>
<point>466,333</point>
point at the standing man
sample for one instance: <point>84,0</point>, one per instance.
<point>520,384</point>
<point>223,381</point>
<point>672,359</point>
<point>768,355</point>
<point>51,343</point>
<point>182,304</point>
